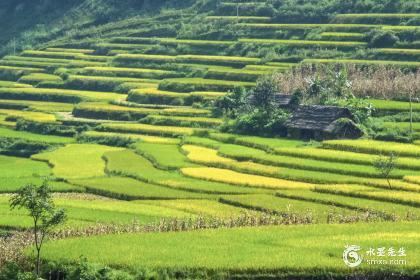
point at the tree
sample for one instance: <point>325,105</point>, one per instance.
<point>380,38</point>
<point>40,205</point>
<point>230,104</point>
<point>254,111</point>
<point>385,165</point>
<point>263,96</point>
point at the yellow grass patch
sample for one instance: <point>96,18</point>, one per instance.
<point>236,178</point>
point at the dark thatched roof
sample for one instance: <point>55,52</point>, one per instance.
<point>317,117</point>
<point>283,100</point>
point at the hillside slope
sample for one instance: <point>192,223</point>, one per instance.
<point>25,23</point>
<point>173,112</point>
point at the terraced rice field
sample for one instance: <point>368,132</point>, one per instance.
<point>130,135</point>
<point>65,164</point>
<point>98,210</point>
<point>187,248</point>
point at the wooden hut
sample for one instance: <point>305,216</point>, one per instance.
<point>322,122</point>
<point>283,100</point>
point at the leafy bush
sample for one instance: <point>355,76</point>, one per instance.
<point>11,73</point>
<point>255,111</point>
<point>155,96</point>
<point>230,104</point>
<point>12,271</point>
<point>392,134</point>
<point>235,74</point>
<point>306,43</point>
<point>115,141</point>
<point>382,39</point>
<point>48,128</point>
<point>100,83</point>
<point>110,112</point>
<point>128,72</point>
<point>85,270</point>
<point>199,84</point>
<point>258,122</point>
<point>361,109</point>
<point>21,148</point>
